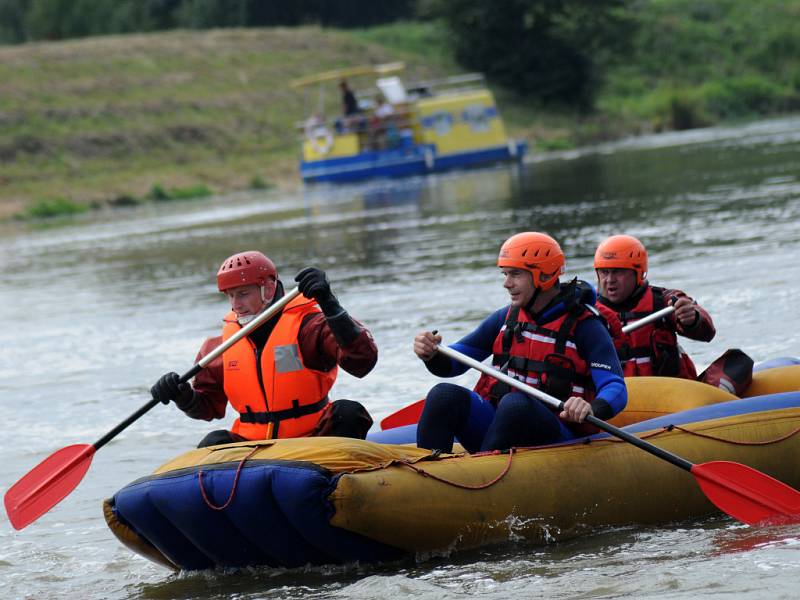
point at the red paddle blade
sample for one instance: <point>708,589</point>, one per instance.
<point>407,415</point>
<point>748,495</point>
<point>47,484</point>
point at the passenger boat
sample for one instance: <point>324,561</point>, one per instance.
<point>317,501</point>
<point>402,130</point>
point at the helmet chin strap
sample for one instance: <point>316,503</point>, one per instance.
<point>532,301</point>
<point>245,319</point>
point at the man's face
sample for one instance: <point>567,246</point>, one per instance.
<point>519,284</point>
<point>245,300</point>
<point>616,284</point>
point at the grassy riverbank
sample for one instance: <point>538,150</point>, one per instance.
<point>123,119</point>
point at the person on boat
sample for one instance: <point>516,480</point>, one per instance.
<point>550,337</point>
<point>620,263</point>
<point>349,103</point>
<point>279,377</point>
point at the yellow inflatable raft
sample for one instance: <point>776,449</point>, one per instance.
<point>335,500</point>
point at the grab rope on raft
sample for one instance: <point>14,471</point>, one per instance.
<point>462,486</point>
<point>668,428</point>
<point>720,439</point>
<point>233,489</point>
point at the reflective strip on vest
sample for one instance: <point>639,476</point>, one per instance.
<point>578,390</point>
<point>287,359</point>
<point>547,339</point>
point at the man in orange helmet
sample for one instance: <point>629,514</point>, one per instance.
<point>621,266</point>
<point>277,378</point>
<point>550,337</point>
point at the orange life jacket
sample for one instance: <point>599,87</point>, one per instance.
<point>543,356</point>
<point>652,349</point>
<point>275,394</point>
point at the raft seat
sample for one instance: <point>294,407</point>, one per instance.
<point>774,380</point>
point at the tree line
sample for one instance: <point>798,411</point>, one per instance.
<point>724,57</point>
<point>31,20</point>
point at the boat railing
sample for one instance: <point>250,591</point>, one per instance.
<point>401,117</point>
<point>454,83</point>
<point>373,132</point>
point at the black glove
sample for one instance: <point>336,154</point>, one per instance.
<point>168,387</point>
<point>313,283</point>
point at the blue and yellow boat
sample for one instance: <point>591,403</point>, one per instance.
<point>401,130</point>
<point>294,502</point>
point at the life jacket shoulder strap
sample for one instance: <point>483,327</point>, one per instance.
<point>658,304</point>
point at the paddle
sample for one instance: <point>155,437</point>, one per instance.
<point>55,477</point>
<point>648,319</point>
<point>738,490</point>
<point>408,415</point>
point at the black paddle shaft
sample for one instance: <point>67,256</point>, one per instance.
<point>639,443</point>
<point>145,408</point>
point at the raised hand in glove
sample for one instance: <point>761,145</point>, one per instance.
<point>169,387</point>
<point>313,283</point>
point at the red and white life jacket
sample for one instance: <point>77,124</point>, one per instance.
<point>652,349</point>
<point>543,356</point>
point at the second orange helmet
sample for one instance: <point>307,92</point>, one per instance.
<point>622,252</point>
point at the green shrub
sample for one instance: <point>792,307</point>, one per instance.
<point>669,108</point>
<point>55,207</point>
<point>159,194</point>
<point>743,96</point>
<point>124,200</point>
<point>560,143</point>
<point>259,183</point>
<point>198,190</point>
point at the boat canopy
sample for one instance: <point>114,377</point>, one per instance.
<point>382,69</point>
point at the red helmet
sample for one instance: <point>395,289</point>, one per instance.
<point>246,268</point>
<point>535,252</point>
<point>622,252</point>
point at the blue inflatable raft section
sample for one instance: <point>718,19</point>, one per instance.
<point>783,361</point>
<point>291,528</point>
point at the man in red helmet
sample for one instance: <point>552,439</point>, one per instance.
<point>278,378</point>
<point>550,337</point>
<point>621,266</point>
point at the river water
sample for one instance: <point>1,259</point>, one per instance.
<point>98,308</point>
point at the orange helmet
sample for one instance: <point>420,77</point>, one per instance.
<point>622,252</point>
<point>535,252</point>
<point>246,268</point>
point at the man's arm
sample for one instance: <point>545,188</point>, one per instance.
<point>477,344</point>
<point>323,346</point>
<point>333,337</point>
<point>209,400</point>
<point>701,328</point>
